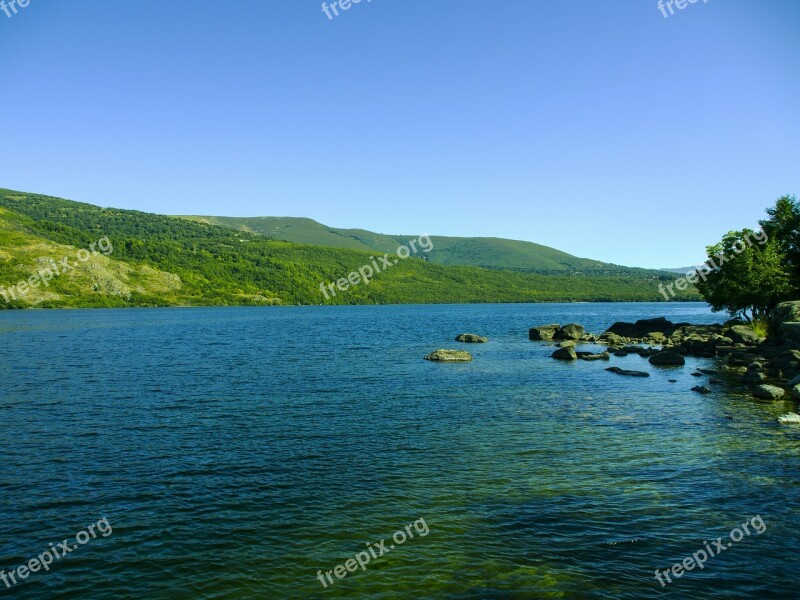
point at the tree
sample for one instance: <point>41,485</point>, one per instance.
<point>783,226</point>
<point>748,275</point>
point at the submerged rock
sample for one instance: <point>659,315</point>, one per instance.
<point>471,338</point>
<point>593,356</point>
<point>449,356</point>
<point>627,372</point>
<point>701,389</point>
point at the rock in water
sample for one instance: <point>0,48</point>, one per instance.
<point>612,339</point>
<point>642,328</point>
<point>591,356</point>
<point>543,332</point>
<point>567,353</point>
<point>471,338</point>
<point>768,392</point>
<point>701,389</point>
<point>449,356</point>
<point>619,371</point>
<point>789,419</point>
<point>573,331</point>
<point>667,359</point>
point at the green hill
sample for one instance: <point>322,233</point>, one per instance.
<point>165,261</point>
<point>489,253</point>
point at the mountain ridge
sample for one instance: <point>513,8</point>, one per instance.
<point>485,252</point>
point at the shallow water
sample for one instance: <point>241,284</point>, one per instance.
<point>238,451</point>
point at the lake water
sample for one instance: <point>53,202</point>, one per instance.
<point>236,452</point>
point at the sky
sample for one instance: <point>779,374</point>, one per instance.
<point>601,128</point>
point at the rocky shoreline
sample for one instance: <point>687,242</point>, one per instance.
<point>769,367</point>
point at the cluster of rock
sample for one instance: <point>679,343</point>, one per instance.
<point>767,366</point>
<point>683,338</point>
<point>573,332</point>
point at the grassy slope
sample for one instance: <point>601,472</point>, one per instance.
<point>94,279</point>
<point>491,253</point>
<point>159,260</point>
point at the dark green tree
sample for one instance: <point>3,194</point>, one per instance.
<point>752,272</point>
<point>783,226</point>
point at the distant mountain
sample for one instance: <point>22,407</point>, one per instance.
<point>488,253</point>
<point>49,258</point>
<point>680,270</point>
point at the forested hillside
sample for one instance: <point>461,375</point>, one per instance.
<point>159,260</point>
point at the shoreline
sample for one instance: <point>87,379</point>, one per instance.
<point>56,308</point>
<point>767,366</point>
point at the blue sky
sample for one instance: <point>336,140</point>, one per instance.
<point>597,127</point>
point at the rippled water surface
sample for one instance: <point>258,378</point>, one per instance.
<point>236,452</point>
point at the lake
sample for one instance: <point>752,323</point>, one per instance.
<point>245,452</point>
